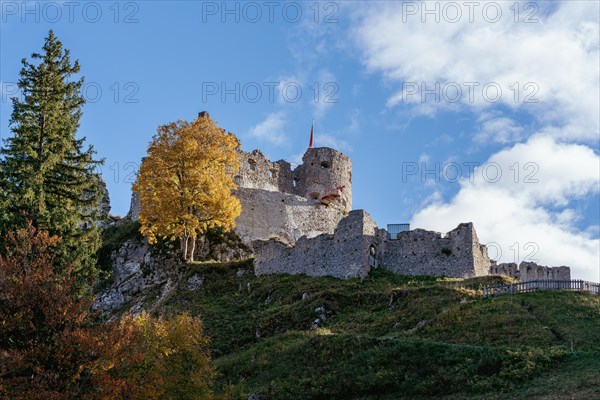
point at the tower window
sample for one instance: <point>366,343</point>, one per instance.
<point>325,164</point>
<point>295,182</point>
<point>251,164</point>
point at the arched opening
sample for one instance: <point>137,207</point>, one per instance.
<point>373,256</point>
<point>325,164</point>
<point>251,165</point>
<point>295,182</point>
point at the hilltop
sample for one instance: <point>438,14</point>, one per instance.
<point>386,337</point>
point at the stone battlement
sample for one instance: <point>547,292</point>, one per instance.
<point>343,254</point>
<point>529,271</point>
<point>421,252</point>
<point>357,245</point>
<point>284,204</point>
<point>323,171</point>
<point>299,221</point>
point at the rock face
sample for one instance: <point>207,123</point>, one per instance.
<point>134,271</point>
<point>529,271</point>
<point>135,207</point>
<point>142,275</point>
<point>104,211</point>
<point>221,246</point>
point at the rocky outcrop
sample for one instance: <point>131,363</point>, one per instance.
<point>220,246</point>
<point>136,271</point>
<point>135,207</point>
<point>143,276</point>
<point>104,210</point>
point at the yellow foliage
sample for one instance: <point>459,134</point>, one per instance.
<point>175,361</point>
<point>186,180</point>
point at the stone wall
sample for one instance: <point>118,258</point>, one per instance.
<point>529,271</point>
<point>357,245</point>
<point>420,252</point>
<point>506,269</point>
<point>257,172</point>
<point>282,216</point>
<point>323,171</point>
<point>343,254</point>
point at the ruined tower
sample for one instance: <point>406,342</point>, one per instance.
<point>286,204</point>
<point>324,173</point>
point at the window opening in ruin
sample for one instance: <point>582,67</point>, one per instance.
<point>272,173</point>
<point>295,182</point>
<point>325,164</point>
<point>251,165</point>
<point>372,256</point>
<point>395,229</point>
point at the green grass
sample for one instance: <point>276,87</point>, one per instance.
<point>391,337</point>
<point>302,365</point>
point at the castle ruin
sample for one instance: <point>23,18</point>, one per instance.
<point>282,203</point>
<point>300,221</point>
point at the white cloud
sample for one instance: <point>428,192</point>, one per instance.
<point>558,56</point>
<point>558,59</point>
<point>326,140</point>
<point>498,130</point>
<point>326,95</point>
<point>271,130</point>
<point>506,212</point>
<point>340,138</point>
<point>543,171</point>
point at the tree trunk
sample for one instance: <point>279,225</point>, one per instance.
<point>193,249</point>
<point>184,247</point>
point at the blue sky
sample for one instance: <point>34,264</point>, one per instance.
<point>413,101</point>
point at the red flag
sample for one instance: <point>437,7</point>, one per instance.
<point>310,145</point>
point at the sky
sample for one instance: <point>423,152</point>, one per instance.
<point>482,111</point>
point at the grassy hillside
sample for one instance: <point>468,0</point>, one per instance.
<point>391,337</point>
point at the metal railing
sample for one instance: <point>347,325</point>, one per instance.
<point>534,286</point>
<point>395,229</point>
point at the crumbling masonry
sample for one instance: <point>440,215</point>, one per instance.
<point>299,221</point>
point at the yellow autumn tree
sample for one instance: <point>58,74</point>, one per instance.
<point>185,183</point>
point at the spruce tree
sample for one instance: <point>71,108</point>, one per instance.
<point>48,176</point>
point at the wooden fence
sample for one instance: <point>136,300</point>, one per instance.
<point>534,286</point>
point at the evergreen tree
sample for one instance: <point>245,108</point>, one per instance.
<point>48,177</point>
